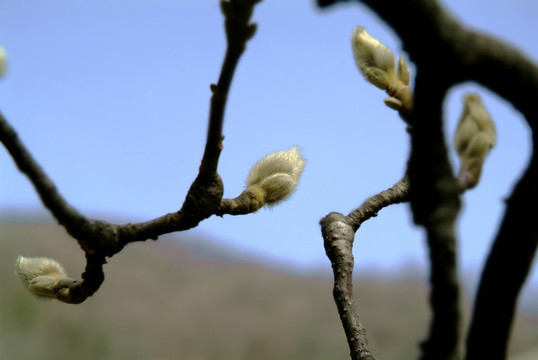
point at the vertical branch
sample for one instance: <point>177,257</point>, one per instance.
<point>506,269</point>
<point>238,31</point>
<point>205,193</point>
<point>338,236</point>
<point>435,204</point>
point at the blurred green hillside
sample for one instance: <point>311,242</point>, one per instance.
<point>171,300</point>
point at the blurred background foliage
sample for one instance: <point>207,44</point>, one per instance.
<point>185,297</point>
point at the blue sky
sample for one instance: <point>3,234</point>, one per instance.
<point>112,98</point>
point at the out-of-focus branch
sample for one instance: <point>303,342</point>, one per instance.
<point>100,239</point>
<point>338,234</point>
<point>435,203</point>
<point>446,53</point>
<point>506,269</point>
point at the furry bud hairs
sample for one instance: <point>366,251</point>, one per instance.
<point>377,64</point>
<point>275,177</point>
<point>43,277</point>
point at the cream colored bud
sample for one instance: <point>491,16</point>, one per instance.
<point>393,103</point>
<point>40,275</point>
<point>474,138</point>
<point>375,61</point>
<point>3,62</point>
<point>403,71</point>
<point>276,176</point>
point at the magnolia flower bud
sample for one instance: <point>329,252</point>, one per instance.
<point>275,177</point>
<point>41,276</point>
<point>3,62</point>
<point>403,71</point>
<point>474,138</point>
<point>375,61</point>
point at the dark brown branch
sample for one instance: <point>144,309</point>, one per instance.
<point>51,198</point>
<point>505,272</point>
<point>92,278</point>
<point>100,239</point>
<point>246,203</point>
<point>238,32</point>
<point>435,204</point>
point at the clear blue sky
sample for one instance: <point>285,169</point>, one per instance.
<point>112,97</point>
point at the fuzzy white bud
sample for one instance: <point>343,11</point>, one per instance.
<point>40,275</point>
<point>276,176</point>
<point>474,138</point>
<point>375,61</point>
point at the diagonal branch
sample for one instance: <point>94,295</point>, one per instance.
<point>64,213</point>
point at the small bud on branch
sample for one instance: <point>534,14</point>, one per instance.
<point>43,277</point>
<point>474,138</point>
<point>377,64</point>
<point>275,177</point>
<point>375,60</point>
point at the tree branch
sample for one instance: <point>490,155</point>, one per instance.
<point>338,234</point>
<point>445,51</point>
<point>435,204</point>
<point>100,239</point>
<point>505,272</point>
<point>64,213</point>
<point>238,31</point>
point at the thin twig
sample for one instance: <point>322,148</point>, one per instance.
<point>238,32</point>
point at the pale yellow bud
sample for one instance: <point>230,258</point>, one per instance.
<point>474,138</point>
<point>275,177</point>
<point>403,71</point>
<point>393,103</point>
<point>375,61</point>
<point>3,62</point>
<point>41,276</point>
